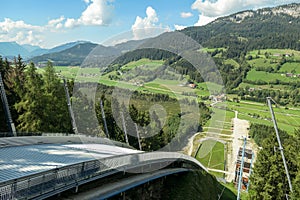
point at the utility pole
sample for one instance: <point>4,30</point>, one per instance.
<point>104,119</point>
<point>279,143</point>
<point>9,120</point>
<point>125,130</point>
<point>241,170</point>
<point>71,113</point>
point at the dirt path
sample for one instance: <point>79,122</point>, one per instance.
<point>189,148</point>
<point>240,130</point>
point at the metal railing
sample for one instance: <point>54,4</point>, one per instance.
<point>51,182</point>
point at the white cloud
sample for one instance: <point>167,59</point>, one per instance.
<point>55,24</point>
<point>19,31</point>
<point>203,20</point>
<point>98,13</point>
<point>179,27</point>
<point>186,14</point>
<point>8,25</point>
<point>70,23</point>
<point>148,26</point>
<point>218,8</point>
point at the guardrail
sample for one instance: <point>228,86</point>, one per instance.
<point>49,183</point>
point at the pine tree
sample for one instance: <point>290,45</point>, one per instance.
<point>268,179</point>
<point>14,81</point>
<point>31,105</point>
<point>15,77</point>
<point>3,127</point>
<point>296,154</point>
<point>55,112</point>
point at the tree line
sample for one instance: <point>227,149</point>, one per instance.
<point>268,180</point>
<point>280,96</point>
<point>38,105</point>
<point>37,101</point>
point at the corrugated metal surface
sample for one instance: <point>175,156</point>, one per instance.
<point>19,161</point>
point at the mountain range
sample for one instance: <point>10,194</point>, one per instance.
<point>277,27</point>
<point>11,49</point>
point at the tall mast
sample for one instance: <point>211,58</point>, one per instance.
<point>104,119</point>
<point>9,120</point>
<point>74,126</point>
<point>279,143</point>
<point>125,130</point>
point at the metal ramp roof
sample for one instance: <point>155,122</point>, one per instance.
<point>20,161</point>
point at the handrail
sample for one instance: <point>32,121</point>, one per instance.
<point>73,175</point>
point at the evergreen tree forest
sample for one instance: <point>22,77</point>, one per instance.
<point>38,105</point>
<point>268,180</point>
<point>37,101</point>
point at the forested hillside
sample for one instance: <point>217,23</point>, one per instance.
<point>277,28</point>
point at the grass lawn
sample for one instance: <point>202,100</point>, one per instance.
<point>221,120</point>
<point>215,158</point>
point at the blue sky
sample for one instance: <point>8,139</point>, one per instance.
<point>52,22</point>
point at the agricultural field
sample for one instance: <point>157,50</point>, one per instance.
<point>293,67</point>
<point>128,77</point>
<point>268,87</point>
<point>231,62</point>
<point>254,75</point>
<point>262,62</point>
<point>254,112</point>
<point>287,119</point>
<point>276,53</point>
<point>271,58</point>
<point>151,64</point>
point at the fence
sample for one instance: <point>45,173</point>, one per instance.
<point>49,183</point>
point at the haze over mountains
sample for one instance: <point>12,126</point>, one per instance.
<point>247,30</point>
<point>11,49</point>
